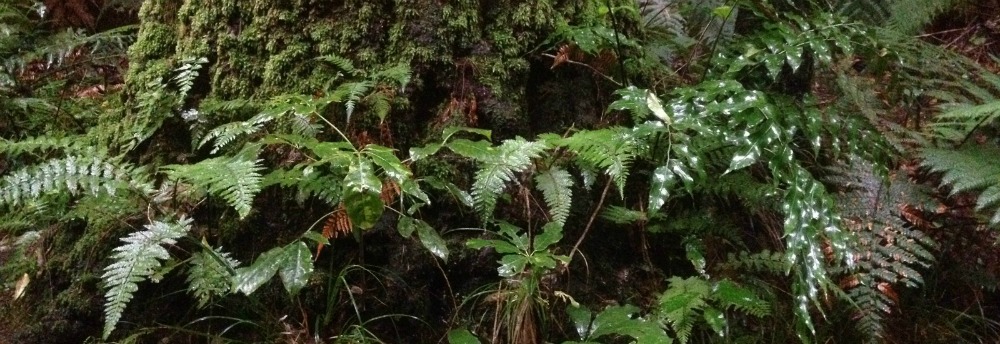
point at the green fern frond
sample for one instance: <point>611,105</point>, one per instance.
<point>764,261</point>
<point>611,150</point>
<point>235,179</point>
<point>186,73</point>
<point>909,16</point>
<point>40,144</point>
<point>556,187</point>
<point>135,261</point>
<point>344,64</point>
<point>623,216</point>
<point>227,133</point>
<point>210,274</point>
<point>93,174</point>
<point>497,167</point>
<point>352,92</point>
<point>399,74</point>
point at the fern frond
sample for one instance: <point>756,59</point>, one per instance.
<point>909,16</point>
<point>344,64</point>
<point>186,73</point>
<point>611,150</point>
<point>497,167</point>
<point>227,133</point>
<point>211,274</point>
<point>352,93</point>
<point>235,179</point>
<point>679,304</point>
<point>399,74</point>
<point>623,216</point>
<point>135,261</point>
<point>39,144</point>
<point>764,261</point>
<point>556,187</point>
<point>93,174</point>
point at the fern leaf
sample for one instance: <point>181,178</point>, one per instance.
<point>235,179</point>
<point>74,174</point>
<point>611,150</point>
<point>556,186</point>
<point>498,166</point>
<point>352,92</point>
<point>343,63</point>
<point>186,73</point>
<point>135,261</point>
<point>227,133</point>
<point>210,274</point>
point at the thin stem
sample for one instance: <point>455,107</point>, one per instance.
<point>590,223</point>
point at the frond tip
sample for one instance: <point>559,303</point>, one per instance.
<point>135,261</point>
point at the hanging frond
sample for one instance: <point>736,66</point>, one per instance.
<point>497,166</point>
<point>556,187</point>
<point>611,150</point>
<point>135,261</point>
<point>74,174</point>
<point>971,168</point>
<point>186,73</point>
<point>235,179</point>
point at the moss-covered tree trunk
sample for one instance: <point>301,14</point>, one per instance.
<point>472,60</point>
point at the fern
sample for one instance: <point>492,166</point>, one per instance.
<point>682,303</point>
<point>235,179</point>
<point>497,166</point>
<point>555,185</point>
<point>351,92</point>
<point>909,16</point>
<point>969,169</point>
<point>210,274</point>
<point>611,150</point>
<point>887,251</point>
<point>186,73</point>
<point>135,261</point>
<point>227,133</point>
<point>75,174</point>
<point>67,144</point>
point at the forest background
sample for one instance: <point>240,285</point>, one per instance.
<point>422,171</point>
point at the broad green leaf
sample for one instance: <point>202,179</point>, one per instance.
<point>361,178</point>
<point>417,153</point>
<point>316,237</point>
<point>581,317</point>
<point>511,265</point>
<point>449,131</point>
<point>250,278</point>
<point>386,159</point>
<point>462,336</point>
<point>431,240</point>
<point>296,267</point>
<point>715,319</point>
<point>406,226</point>
<point>477,150</point>
<point>659,188</point>
<point>551,234</point>
<point>364,208</point>
<point>743,160</point>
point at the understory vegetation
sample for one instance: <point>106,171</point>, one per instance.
<point>651,171</point>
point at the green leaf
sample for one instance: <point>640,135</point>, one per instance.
<point>551,234</point>
<point>462,336</point>
<point>418,153</point>
<point>449,131</point>
<point>582,318</point>
<point>659,189</point>
<point>250,278</point>
<point>478,150</point>
<point>716,320</point>
<point>386,159</point>
<point>406,226</point>
<point>296,267</point>
<point>556,187</point>
<point>431,240</point>
<point>511,265</point>
<point>363,208</point>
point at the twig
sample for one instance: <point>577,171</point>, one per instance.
<point>605,76</point>
<point>590,223</point>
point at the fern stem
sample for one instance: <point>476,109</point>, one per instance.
<point>590,223</point>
